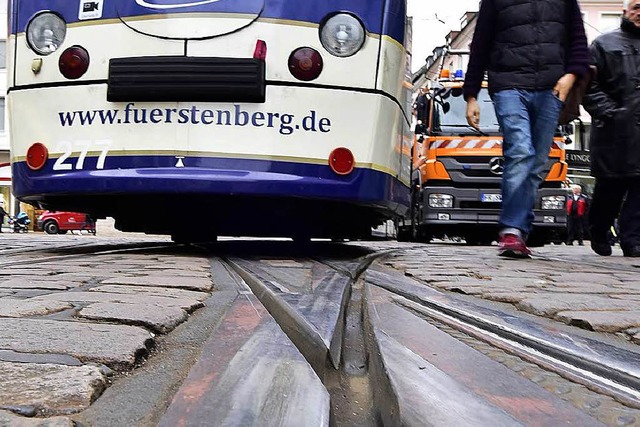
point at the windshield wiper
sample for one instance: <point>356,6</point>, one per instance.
<point>478,131</point>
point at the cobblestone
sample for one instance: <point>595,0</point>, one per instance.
<point>113,345</point>
<point>601,321</point>
<point>10,419</point>
<point>184,282</point>
<point>185,303</point>
<point>50,389</point>
<point>10,307</point>
<point>146,315</point>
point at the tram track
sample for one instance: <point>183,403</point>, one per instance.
<point>332,335</point>
<point>601,368</point>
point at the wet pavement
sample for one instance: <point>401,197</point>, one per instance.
<point>122,329</point>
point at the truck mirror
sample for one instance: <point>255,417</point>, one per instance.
<point>568,141</point>
<point>569,129</point>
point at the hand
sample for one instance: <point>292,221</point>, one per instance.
<point>564,85</point>
<point>473,113</point>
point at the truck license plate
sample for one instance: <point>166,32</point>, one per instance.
<point>489,198</point>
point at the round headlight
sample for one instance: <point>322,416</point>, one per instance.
<point>46,32</point>
<point>342,35</point>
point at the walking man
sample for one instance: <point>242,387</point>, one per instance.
<point>534,50</point>
<point>576,210</point>
<point>3,213</point>
<point>613,100</point>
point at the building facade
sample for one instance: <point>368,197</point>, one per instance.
<point>5,169</point>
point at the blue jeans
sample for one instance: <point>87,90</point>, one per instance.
<point>528,120</point>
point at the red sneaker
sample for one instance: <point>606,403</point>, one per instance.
<point>512,246</point>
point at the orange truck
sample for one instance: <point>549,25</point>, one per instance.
<point>457,170</point>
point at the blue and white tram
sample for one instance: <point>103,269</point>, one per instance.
<point>199,118</point>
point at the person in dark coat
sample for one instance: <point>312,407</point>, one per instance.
<point>613,100</point>
<point>3,213</point>
<point>534,51</point>
<point>422,109</point>
<point>576,210</point>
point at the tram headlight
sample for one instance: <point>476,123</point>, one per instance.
<point>342,35</point>
<point>46,32</point>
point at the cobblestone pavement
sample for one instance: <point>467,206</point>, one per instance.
<point>79,309</point>
<point>88,309</point>
<point>570,284</point>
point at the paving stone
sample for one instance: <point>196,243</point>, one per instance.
<point>50,389</point>
<point>430,278</point>
<point>179,273</point>
<point>467,289</point>
<point>582,289</point>
<point>26,282</point>
<point>604,278</point>
<point>116,346</point>
<point>191,283</point>
<point>509,297</point>
<point>161,321</point>
<point>185,303</point>
<point>549,304</point>
<point>11,307</point>
<point>626,297</point>
<point>58,359</point>
<point>12,272</point>
<point>9,419</point>
<point>601,321</point>
<point>151,290</point>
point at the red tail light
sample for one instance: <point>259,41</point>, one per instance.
<point>305,64</point>
<point>37,156</point>
<point>74,62</point>
<point>341,161</point>
<point>261,51</point>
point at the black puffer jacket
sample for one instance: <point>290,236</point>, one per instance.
<point>529,45</point>
<point>613,100</point>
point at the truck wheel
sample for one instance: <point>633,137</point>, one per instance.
<point>50,227</point>
<point>418,232</point>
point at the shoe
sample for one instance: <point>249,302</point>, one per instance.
<point>633,252</point>
<point>602,248</point>
<point>512,246</point>
<point>580,243</point>
<point>569,243</point>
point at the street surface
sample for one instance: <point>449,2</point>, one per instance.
<point>126,329</point>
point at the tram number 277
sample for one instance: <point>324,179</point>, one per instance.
<point>82,148</point>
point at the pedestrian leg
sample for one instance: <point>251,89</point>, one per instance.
<point>630,219</point>
<point>605,207</point>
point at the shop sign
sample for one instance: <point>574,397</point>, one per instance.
<point>578,158</point>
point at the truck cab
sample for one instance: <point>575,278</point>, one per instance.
<point>457,172</point>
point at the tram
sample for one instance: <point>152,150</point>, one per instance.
<point>200,118</point>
